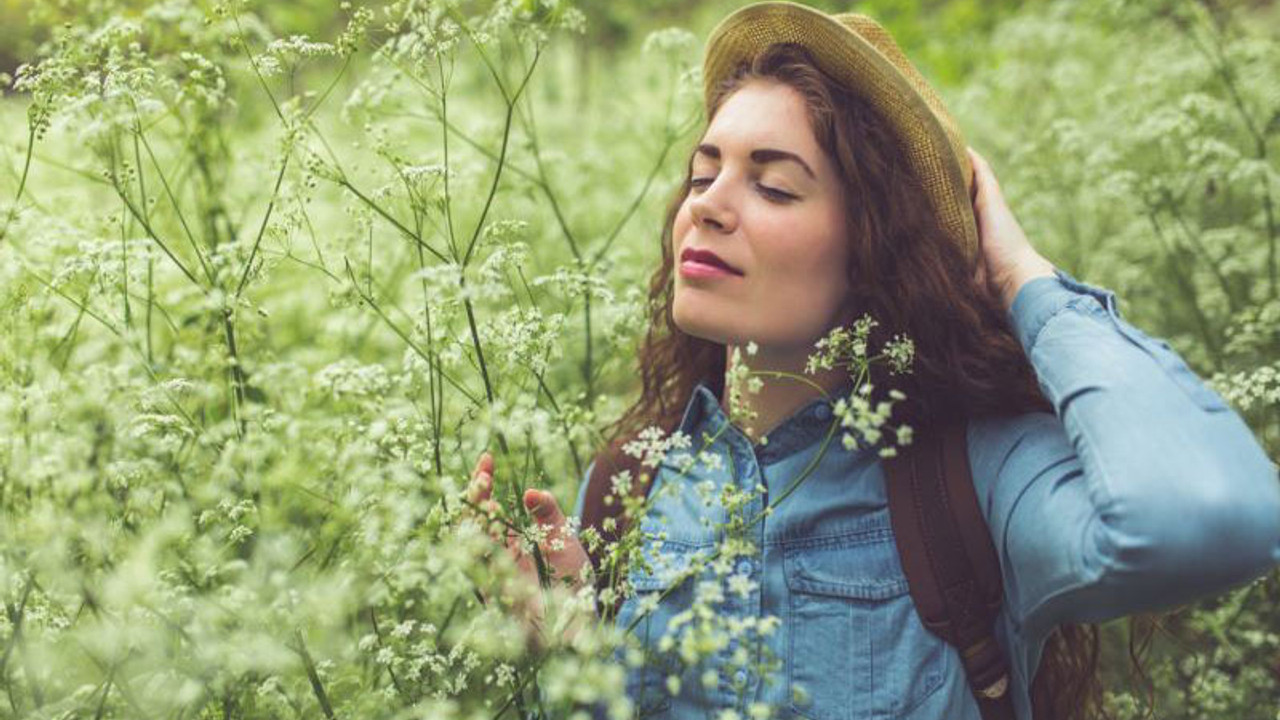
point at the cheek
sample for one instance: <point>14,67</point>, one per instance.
<point>814,274</point>
<point>680,226</point>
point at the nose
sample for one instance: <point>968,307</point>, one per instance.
<point>708,209</point>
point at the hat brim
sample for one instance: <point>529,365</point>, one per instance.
<point>937,154</point>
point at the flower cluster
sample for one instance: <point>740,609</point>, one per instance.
<point>842,346</point>
<point>652,445</point>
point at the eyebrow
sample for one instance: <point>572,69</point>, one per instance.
<point>759,156</point>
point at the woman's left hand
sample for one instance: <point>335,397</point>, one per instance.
<point>1007,259</point>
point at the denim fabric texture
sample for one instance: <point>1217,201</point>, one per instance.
<point>1142,490</point>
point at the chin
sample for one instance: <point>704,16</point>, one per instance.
<point>702,327</point>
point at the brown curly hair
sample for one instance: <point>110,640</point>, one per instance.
<point>906,273</point>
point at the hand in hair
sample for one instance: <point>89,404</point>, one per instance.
<point>563,554</point>
<point>1007,258</point>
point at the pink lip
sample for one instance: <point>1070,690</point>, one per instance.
<point>695,269</point>
<point>705,259</point>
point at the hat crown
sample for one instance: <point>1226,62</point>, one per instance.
<point>875,34</point>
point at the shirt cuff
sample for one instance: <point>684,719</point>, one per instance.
<point>1041,298</point>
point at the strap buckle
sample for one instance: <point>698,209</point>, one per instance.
<point>996,689</point>
<point>985,654</point>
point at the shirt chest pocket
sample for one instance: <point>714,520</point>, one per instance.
<point>856,647</point>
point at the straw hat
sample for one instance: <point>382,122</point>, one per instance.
<point>860,54</point>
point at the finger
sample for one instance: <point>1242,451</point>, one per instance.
<point>483,464</point>
<point>979,178</point>
<point>544,508</point>
<point>985,183</point>
<point>973,174</point>
<point>481,488</point>
<point>493,521</point>
<point>975,161</point>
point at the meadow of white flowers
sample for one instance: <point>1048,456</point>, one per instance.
<point>264,299</point>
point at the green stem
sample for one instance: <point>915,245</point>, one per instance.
<point>22,182</point>
<point>151,232</point>
<point>262,227</point>
<point>388,217</point>
<point>317,687</point>
<point>368,300</point>
<point>502,154</point>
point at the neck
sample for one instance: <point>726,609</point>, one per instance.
<point>779,396</point>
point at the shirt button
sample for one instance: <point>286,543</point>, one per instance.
<point>744,567</point>
<point>824,412</point>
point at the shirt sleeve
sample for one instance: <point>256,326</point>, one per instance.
<point>1142,490</point>
<point>582,490</point>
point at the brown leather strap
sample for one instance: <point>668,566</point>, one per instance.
<point>950,562</point>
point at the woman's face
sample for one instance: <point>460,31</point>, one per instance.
<point>767,201</point>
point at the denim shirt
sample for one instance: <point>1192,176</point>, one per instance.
<point>1142,490</point>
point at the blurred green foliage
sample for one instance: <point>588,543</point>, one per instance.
<point>290,422</point>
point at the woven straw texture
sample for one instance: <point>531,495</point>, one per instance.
<point>861,54</point>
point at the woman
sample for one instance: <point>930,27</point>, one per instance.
<point>1112,480</point>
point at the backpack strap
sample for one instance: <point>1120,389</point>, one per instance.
<point>949,559</point>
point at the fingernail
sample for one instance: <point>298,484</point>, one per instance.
<point>539,506</point>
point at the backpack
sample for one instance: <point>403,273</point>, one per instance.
<point>943,543</point>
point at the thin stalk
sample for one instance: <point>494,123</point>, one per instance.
<point>317,687</point>
<point>484,57</point>
<point>792,487</point>
<point>284,163</point>
<point>106,690</point>
<point>671,138</point>
<point>22,183</point>
<point>124,274</point>
<point>151,233</point>
<point>1193,239</point>
<point>502,154</point>
<point>305,263</point>
<point>342,181</point>
<point>1188,290</point>
<point>588,360</point>
<point>237,373</point>
<point>432,382</point>
<point>151,294</point>
<point>519,690</point>
<point>395,681</point>
<point>1218,60</point>
<point>253,63</point>
<point>71,334</point>
<point>475,342</point>
<point>531,134</point>
<point>402,334</point>
<point>262,227</point>
<point>16,617</point>
<point>444,137</point>
<point>315,244</point>
<point>88,176</point>
<point>196,428</point>
<point>564,424</point>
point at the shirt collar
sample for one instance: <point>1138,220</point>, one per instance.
<point>799,430</point>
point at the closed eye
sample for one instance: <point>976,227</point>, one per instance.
<point>773,193</point>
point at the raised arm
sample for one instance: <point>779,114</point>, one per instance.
<point>1143,491</point>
